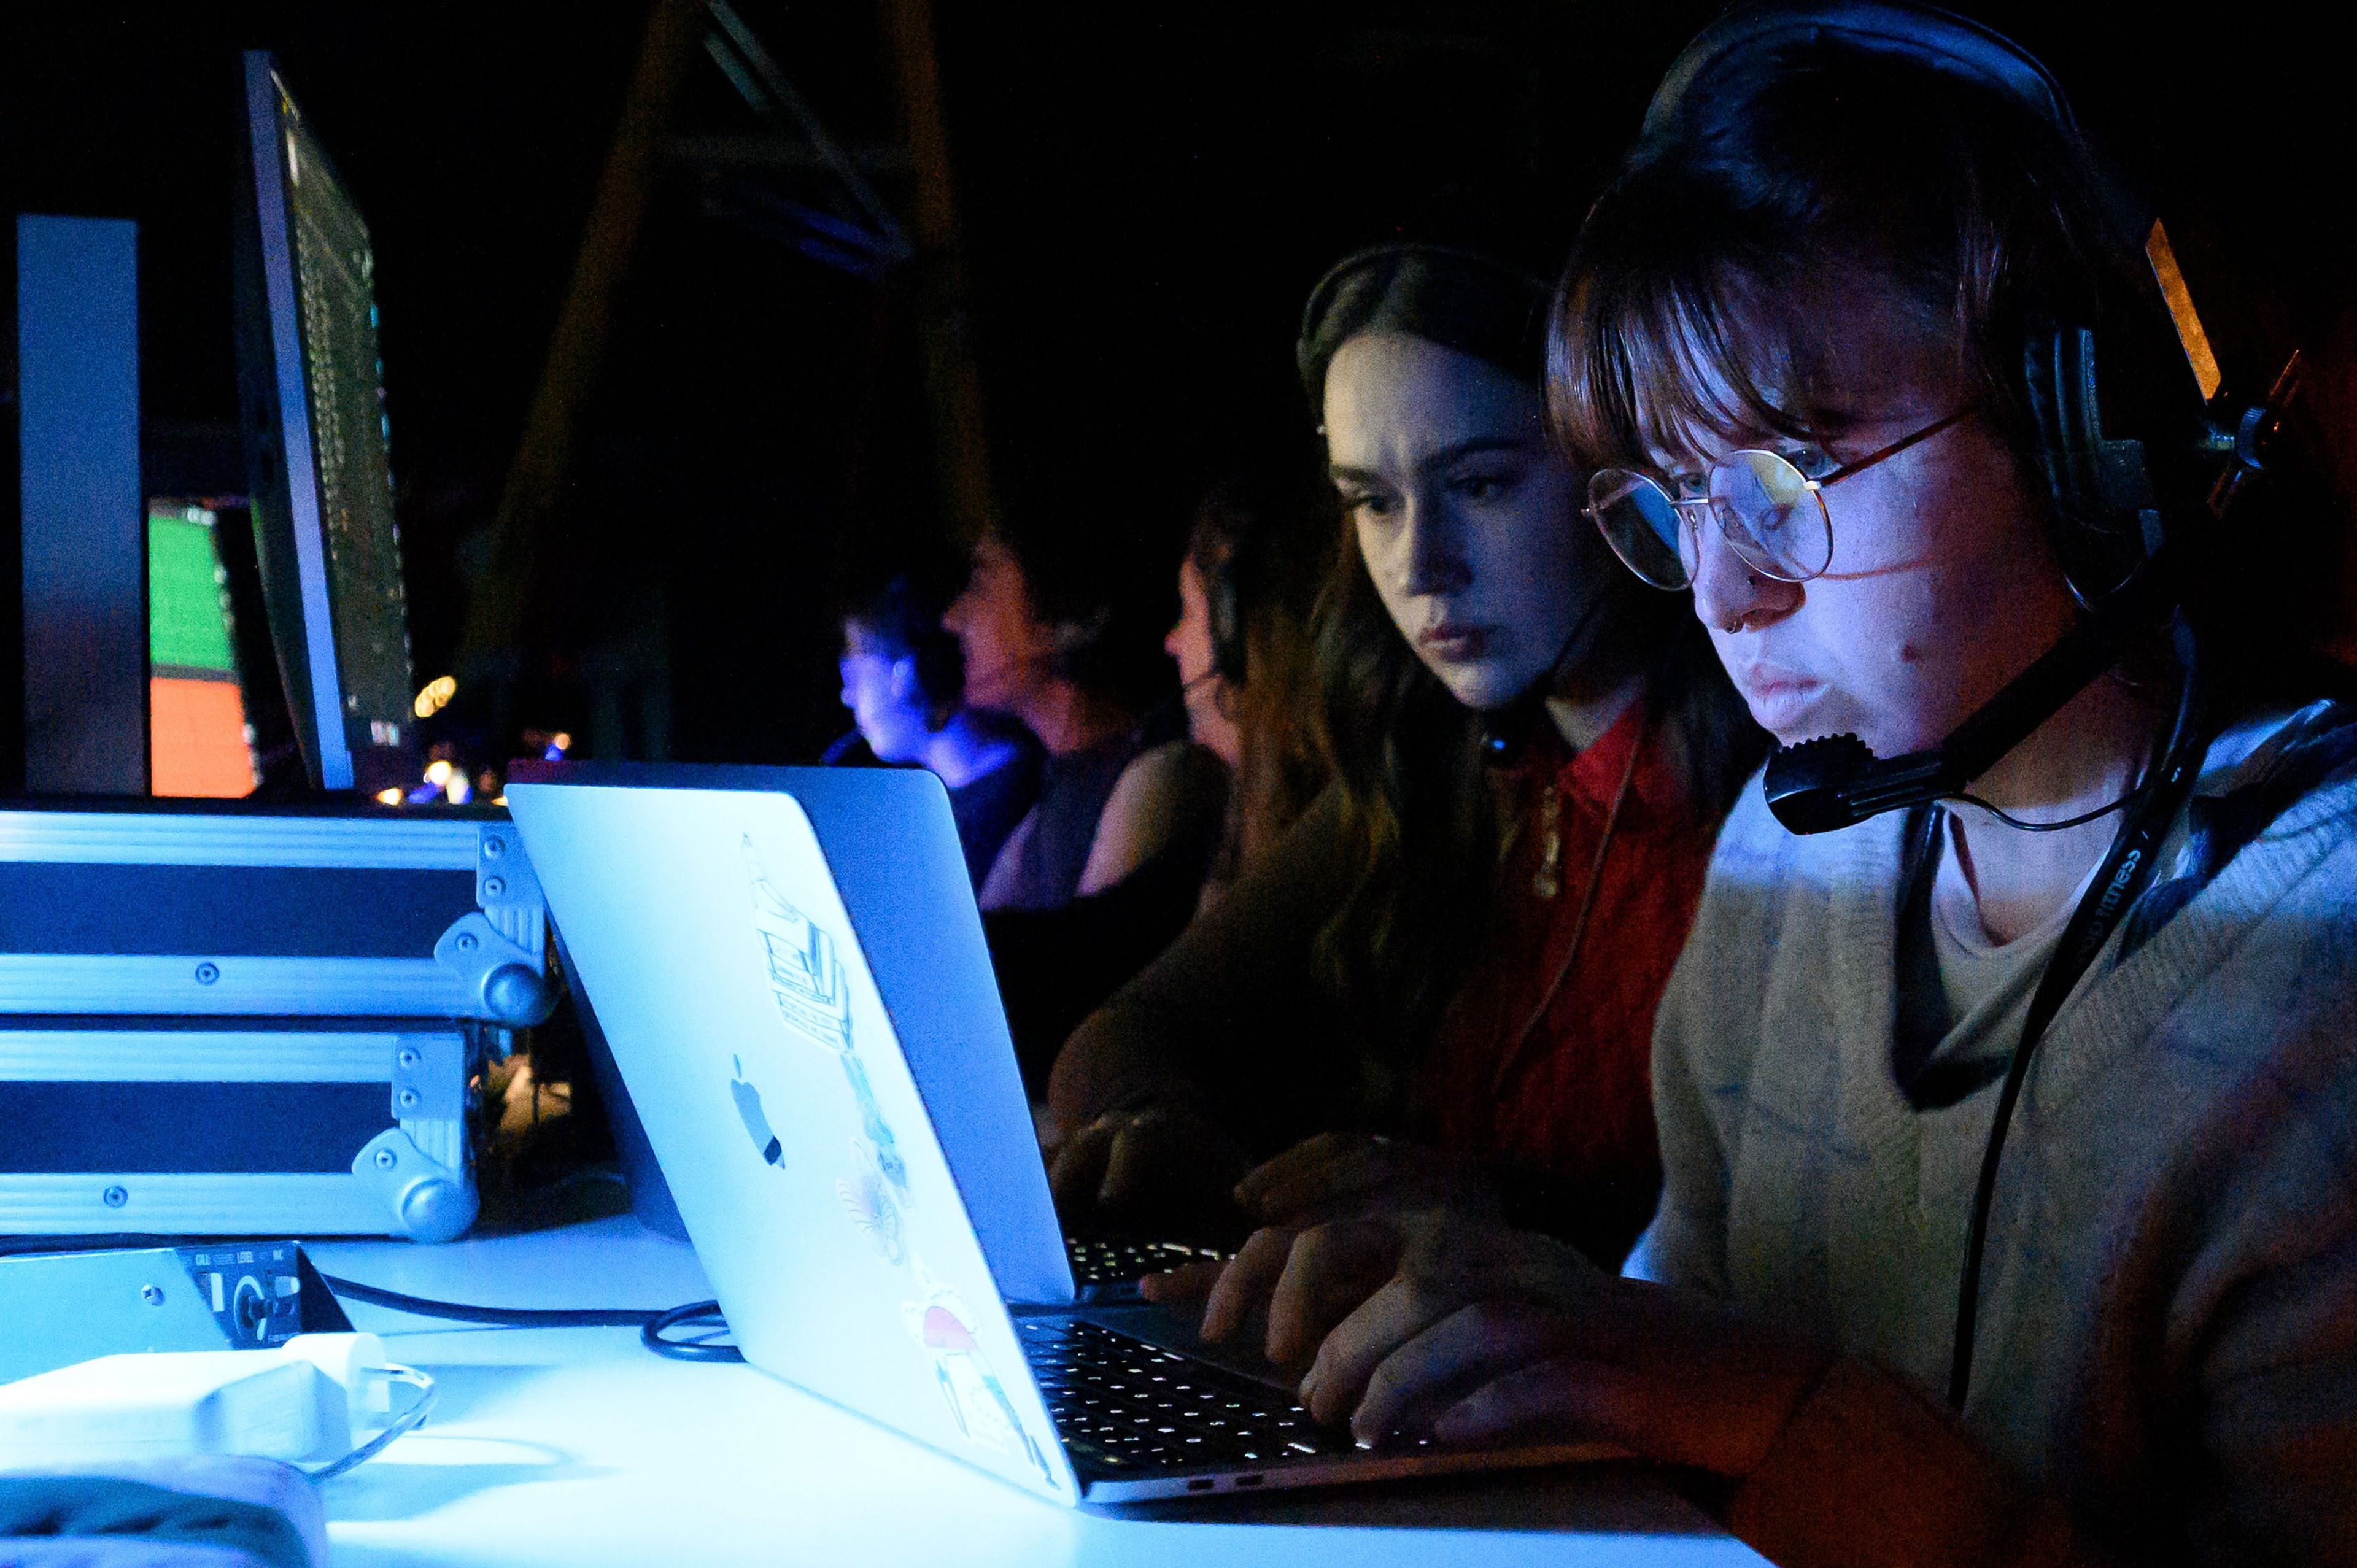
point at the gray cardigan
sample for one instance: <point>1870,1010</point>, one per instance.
<point>2168,1315</point>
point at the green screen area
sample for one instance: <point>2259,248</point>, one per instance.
<point>188,625</point>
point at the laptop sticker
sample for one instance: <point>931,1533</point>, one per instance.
<point>870,1203</point>
<point>805,975</point>
<point>977,1399</point>
<point>813,999</point>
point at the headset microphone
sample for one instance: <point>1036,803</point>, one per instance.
<point>1836,781</point>
<point>1817,786</point>
<point>1506,730</point>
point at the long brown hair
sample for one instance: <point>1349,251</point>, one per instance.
<point>1422,828</point>
<point>1258,546</point>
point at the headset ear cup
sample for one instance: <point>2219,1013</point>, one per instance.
<point>2105,516</point>
<point>2042,378</point>
<point>1226,616</point>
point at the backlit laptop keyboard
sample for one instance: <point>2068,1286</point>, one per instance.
<point>1124,1406</point>
<point>1122,1263</point>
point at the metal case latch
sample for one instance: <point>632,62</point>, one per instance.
<point>430,1201</point>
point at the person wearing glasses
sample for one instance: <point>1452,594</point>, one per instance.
<point>1440,984</point>
<point>1792,341</point>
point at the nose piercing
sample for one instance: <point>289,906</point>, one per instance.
<point>1751,580</point>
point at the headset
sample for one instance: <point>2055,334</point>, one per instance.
<point>1505,733</point>
<point>1224,601</point>
<point>2091,474</point>
<point>1535,291</point>
<point>2147,490</point>
<point>1229,577</point>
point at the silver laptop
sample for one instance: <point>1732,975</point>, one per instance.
<point>790,969</point>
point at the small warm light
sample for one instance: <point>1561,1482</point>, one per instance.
<point>457,790</point>
<point>435,695</point>
<point>562,741</point>
<point>389,797</point>
<point>437,772</point>
<point>501,799</point>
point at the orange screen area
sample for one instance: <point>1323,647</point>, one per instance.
<point>199,738</point>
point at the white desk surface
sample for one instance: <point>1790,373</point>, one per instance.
<point>577,1447</point>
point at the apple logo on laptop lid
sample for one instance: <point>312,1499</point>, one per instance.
<point>756,1124</point>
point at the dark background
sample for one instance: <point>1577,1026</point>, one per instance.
<point>1147,192</point>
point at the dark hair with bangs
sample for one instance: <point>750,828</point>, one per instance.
<point>1789,177</point>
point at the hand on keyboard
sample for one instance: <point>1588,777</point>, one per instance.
<point>1484,1334</point>
<point>1306,1268</point>
<point>1339,1175</point>
<point>1162,1166</point>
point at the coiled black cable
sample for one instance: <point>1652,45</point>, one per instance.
<point>650,1325</point>
<point>651,1335</point>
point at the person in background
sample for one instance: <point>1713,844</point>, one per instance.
<point>1049,638</point>
<point>1807,302</point>
<point>1059,629</point>
<point>1448,966</point>
<point>1208,682</point>
<point>904,682</point>
<point>1241,646</point>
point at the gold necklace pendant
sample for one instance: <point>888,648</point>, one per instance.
<point>1548,882</point>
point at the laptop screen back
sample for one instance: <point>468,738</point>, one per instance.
<point>709,934</point>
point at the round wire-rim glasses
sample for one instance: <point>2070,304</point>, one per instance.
<point>1773,515</point>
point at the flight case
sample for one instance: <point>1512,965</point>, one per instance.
<point>222,1019</point>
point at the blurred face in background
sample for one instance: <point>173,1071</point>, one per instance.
<point>1466,514</point>
<point>1209,697</point>
<point>883,696</point>
<point>1010,652</point>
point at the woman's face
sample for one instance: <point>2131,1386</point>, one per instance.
<point>1942,584</point>
<point>1009,651</point>
<point>1466,514</point>
<point>1190,644</point>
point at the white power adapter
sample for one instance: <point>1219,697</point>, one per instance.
<point>301,1400</point>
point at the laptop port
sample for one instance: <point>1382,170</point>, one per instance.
<point>1205,1485</point>
<point>1242,1481</point>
